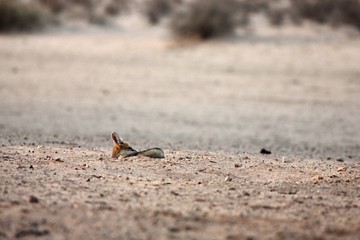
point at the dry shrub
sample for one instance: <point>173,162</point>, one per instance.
<point>204,18</point>
<point>276,16</point>
<point>116,7</point>
<point>155,10</point>
<point>58,6</point>
<point>277,11</point>
<point>95,11</point>
<point>335,12</point>
<point>254,6</point>
<point>16,16</point>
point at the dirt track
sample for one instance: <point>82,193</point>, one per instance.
<point>210,106</point>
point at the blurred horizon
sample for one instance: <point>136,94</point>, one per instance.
<point>180,18</point>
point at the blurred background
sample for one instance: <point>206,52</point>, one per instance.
<point>230,75</point>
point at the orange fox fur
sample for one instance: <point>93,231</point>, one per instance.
<point>123,149</point>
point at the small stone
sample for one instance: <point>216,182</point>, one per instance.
<point>318,177</point>
<point>228,179</point>
<point>33,199</point>
<point>342,169</point>
<point>236,165</point>
<point>340,160</point>
<point>31,167</point>
<point>21,167</point>
<point>265,151</point>
<point>174,229</point>
<point>174,193</point>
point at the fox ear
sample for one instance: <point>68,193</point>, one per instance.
<point>116,139</point>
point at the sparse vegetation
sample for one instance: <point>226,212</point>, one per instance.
<point>16,16</point>
<point>335,12</point>
<point>155,10</point>
<point>204,18</point>
<point>116,7</point>
<point>96,12</point>
<point>20,16</point>
<point>187,18</point>
<point>60,6</point>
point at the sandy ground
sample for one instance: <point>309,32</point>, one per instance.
<point>211,106</point>
<point>75,193</point>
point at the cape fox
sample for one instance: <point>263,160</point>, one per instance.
<point>123,149</point>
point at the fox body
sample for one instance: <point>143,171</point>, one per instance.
<point>123,149</point>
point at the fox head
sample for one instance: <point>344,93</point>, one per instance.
<point>120,146</point>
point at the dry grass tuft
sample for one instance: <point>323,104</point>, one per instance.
<point>155,10</point>
<point>204,18</point>
<point>16,16</point>
<point>334,12</point>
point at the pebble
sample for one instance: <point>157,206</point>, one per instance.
<point>237,165</point>
<point>265,151</point>
<point>228,179</point>
<point>21,167</point>
<point>318,177</point>
<point>174,193</point>
<point>33,199</point>
<point>246,193</point>
<point>342,169</point>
